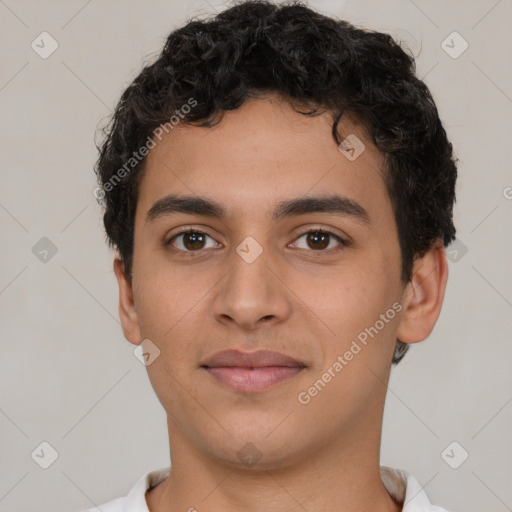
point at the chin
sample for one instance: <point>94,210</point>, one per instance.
<point>256,446</point>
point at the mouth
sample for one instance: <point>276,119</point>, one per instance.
<point>249,372</point>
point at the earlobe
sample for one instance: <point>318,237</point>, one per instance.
<point>423,296</point>
<point>127,308</point>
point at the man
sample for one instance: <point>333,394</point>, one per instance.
<point>279,189</point>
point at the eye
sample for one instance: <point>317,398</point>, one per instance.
<point>320,240</point>
<point>190,240</point>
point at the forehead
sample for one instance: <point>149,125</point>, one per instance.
<point>261,154</point>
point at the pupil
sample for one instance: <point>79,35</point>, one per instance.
<point>191,240</point>
<point>320,239</point>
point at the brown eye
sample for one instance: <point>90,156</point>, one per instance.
<point>193,241</point>
<point>190,241</point>
<point>319,240</point>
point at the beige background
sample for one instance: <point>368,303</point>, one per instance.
<point>69,378</point>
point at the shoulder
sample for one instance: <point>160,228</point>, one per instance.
<point>135,500</point>
<point>405,489</point>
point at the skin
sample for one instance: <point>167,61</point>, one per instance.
<point>295,298</point>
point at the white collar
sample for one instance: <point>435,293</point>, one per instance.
<point>403,487</point>
<point>399,483</point>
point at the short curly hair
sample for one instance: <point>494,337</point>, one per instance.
<point>319,64</point>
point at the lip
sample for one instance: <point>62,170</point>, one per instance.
<point>250,372</point>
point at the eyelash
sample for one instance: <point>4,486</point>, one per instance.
<point>343,243</point>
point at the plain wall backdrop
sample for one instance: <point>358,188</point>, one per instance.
<point>67,375</point>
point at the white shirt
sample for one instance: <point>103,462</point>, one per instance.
<point>399,484</point>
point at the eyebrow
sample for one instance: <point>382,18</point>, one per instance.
<point>197,205</point>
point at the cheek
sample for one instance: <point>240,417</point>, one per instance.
<point>346,299</point>
<point>357,351</point>
<point>167,298</point>
<point>353,310</point>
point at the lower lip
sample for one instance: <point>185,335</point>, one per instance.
<point>249,380</point>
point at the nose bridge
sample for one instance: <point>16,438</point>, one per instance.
<point>251,294</point>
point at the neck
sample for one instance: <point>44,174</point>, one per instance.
<point>344,477</point>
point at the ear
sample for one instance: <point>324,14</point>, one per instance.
<point>423,296</point>
<point>127,310</point>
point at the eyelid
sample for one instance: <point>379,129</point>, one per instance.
<point>324,229</point>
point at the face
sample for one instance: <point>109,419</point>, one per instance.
<point>266,270</point>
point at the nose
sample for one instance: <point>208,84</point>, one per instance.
<point>252,295</point>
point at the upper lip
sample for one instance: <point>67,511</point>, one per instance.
<point>257,359</point>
